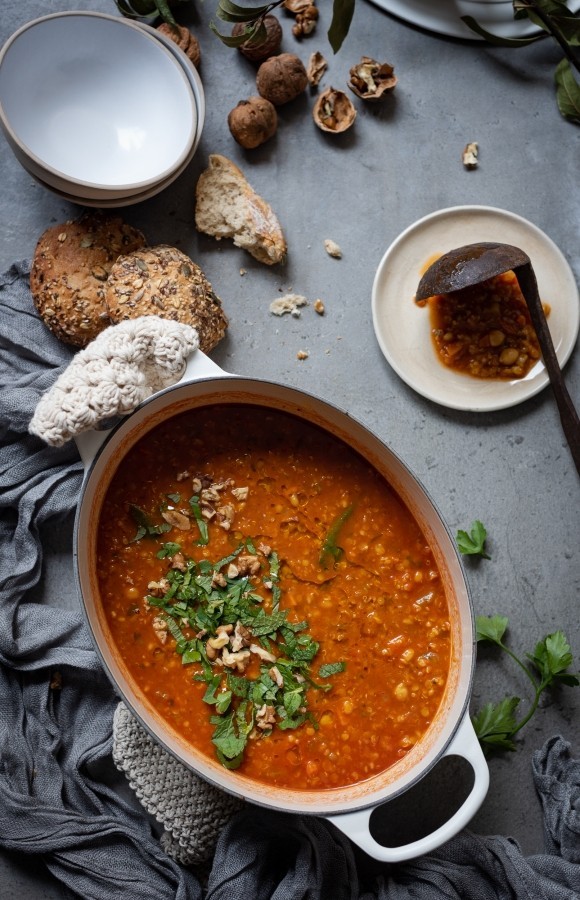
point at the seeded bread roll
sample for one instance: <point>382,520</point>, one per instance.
<point>69,271</point>
<point>226,206</point>
<point>163,281</point>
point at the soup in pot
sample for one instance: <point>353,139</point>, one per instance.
<point>272,597</point>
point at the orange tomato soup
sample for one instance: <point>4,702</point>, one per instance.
<point>273,597</point>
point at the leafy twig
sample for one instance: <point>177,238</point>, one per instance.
<point>555,18</point>
<point>228,11</point>
<point>496,725</point>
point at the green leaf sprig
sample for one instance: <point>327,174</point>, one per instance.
<point>496,725</point>
<point>473,543</point>
<point>137,9</point>
<point>554,18</point>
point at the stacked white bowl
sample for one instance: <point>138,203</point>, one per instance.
<point>101,110</point>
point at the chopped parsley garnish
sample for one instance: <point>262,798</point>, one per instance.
<point>331,552</point>
<point>254,662</point>
<point>145,527</point>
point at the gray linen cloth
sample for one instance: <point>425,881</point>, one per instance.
<point>57,709</point>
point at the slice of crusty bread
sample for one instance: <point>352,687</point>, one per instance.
<point>226,206</point>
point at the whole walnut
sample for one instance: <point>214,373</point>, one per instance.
<point>184,39</point>
<point>253,121</point>
<point>282,78</point>
<point>257,52</point>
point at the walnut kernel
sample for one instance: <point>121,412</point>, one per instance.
<point>333,111</point>
<point>371,80</point>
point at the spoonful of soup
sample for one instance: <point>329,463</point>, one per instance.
<point>474,263</point>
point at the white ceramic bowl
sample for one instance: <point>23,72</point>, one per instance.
<point>96,104</point>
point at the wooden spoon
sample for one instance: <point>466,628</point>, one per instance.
<point>474,263</point>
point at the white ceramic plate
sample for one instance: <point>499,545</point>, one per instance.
<point>444,16</point>
<point>403,328</point>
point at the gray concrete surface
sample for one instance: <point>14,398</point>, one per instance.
<point>402,160</point>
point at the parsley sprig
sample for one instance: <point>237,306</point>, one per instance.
<point>202,596</point>
<point>473,543</point>
<point>496,725</point>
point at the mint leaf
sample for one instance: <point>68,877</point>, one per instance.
<point>329,669</point>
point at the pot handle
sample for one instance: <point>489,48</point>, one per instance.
<point>356,824</point>
<point>198,366</point>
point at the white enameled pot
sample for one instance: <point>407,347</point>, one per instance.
<point>451,734</point>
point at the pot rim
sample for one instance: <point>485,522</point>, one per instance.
<point>331,802</point>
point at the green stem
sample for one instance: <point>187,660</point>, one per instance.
<point>554,30</point>
<point>521,664</point>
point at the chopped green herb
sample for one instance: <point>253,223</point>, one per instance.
<point>200,521</point>
<point>331,669</point>
<point>168,549</point>
<point>473,544</point>
<point>331,552</point>
<point>197,607</point>
<point>145,527</point>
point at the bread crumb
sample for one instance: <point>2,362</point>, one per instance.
<point>319,307</point>
<point>302,354</point>
<point>243,271</point>
<point>332,249</point>
<point>289,303</point>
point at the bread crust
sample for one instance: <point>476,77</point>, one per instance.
<point>164,281</point>
<point>69,270</point>
<point>226,206</point>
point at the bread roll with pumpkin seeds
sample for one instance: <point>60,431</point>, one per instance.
<point>69,271</point>
<point>163,281</point>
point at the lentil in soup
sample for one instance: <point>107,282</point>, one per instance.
<point>272,597</point>
<point>485,330</point>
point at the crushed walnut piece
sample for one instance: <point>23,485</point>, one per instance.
<point>319,307</point>
<point>470,155</point>
<point>302,354</point>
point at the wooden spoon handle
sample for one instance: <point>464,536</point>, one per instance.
<point>568,415</point>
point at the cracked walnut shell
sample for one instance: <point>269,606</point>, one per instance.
<point>281,78</point>
<point>333,111</point>
<point>253,121</point>
<point>371,80</point>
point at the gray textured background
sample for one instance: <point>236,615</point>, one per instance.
<point>402,160</point>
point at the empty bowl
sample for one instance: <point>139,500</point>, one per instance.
<point>97,107</point>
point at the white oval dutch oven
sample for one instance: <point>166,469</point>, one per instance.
<point>451,733</point>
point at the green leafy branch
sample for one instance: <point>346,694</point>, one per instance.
<point>255,31</point>
<point>496,725</point>
<point>555,18</point>
<point>137,9</point>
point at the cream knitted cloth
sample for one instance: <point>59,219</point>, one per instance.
<point>124,365</point>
